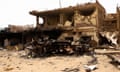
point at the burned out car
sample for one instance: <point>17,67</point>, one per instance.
<point>62,42</point>
<point>69,30</point>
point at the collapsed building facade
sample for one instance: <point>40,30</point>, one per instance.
<point>69,29</point>
<point>88,19</point>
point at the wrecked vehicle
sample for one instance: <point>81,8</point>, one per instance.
<point>86,45</point>
<point>72,30</point>
<point>60,44</point>
<point>78,25</point>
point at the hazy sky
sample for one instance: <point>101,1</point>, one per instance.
<point>17,11</point>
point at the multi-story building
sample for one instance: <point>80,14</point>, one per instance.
<point>86,19</point>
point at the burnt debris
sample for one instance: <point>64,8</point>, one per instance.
<point>65,31</point>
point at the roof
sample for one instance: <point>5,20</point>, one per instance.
<point>16,29</point>
<point>88,7</point>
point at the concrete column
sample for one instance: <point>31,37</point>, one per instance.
<point>61,18</point>
<point>45,21</point>
<point>37,21</point>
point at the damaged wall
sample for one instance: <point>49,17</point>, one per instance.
<point>110,23</point>
<point>90,19</point>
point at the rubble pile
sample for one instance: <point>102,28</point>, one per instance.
<point>77,31</point>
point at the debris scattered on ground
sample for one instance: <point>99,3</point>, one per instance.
<point>71,70</point>
<point>10,61</point>
<point>115,60</point>
<point>1,48</point>
<point>8,69</point>
<point>90,67</point>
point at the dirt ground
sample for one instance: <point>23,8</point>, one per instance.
<point>11,61</point>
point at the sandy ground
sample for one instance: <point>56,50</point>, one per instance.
<point>11,61</point>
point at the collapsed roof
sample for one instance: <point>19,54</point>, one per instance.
<point>86,9</point>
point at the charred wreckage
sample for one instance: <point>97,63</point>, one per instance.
<point>73,30</point>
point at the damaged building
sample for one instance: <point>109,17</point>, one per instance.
<point>84,19</point>
<point>88,19</point>
<point>74,26</point>
<point>14,37</point>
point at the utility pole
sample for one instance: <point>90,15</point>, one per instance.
<point>60,4</point>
